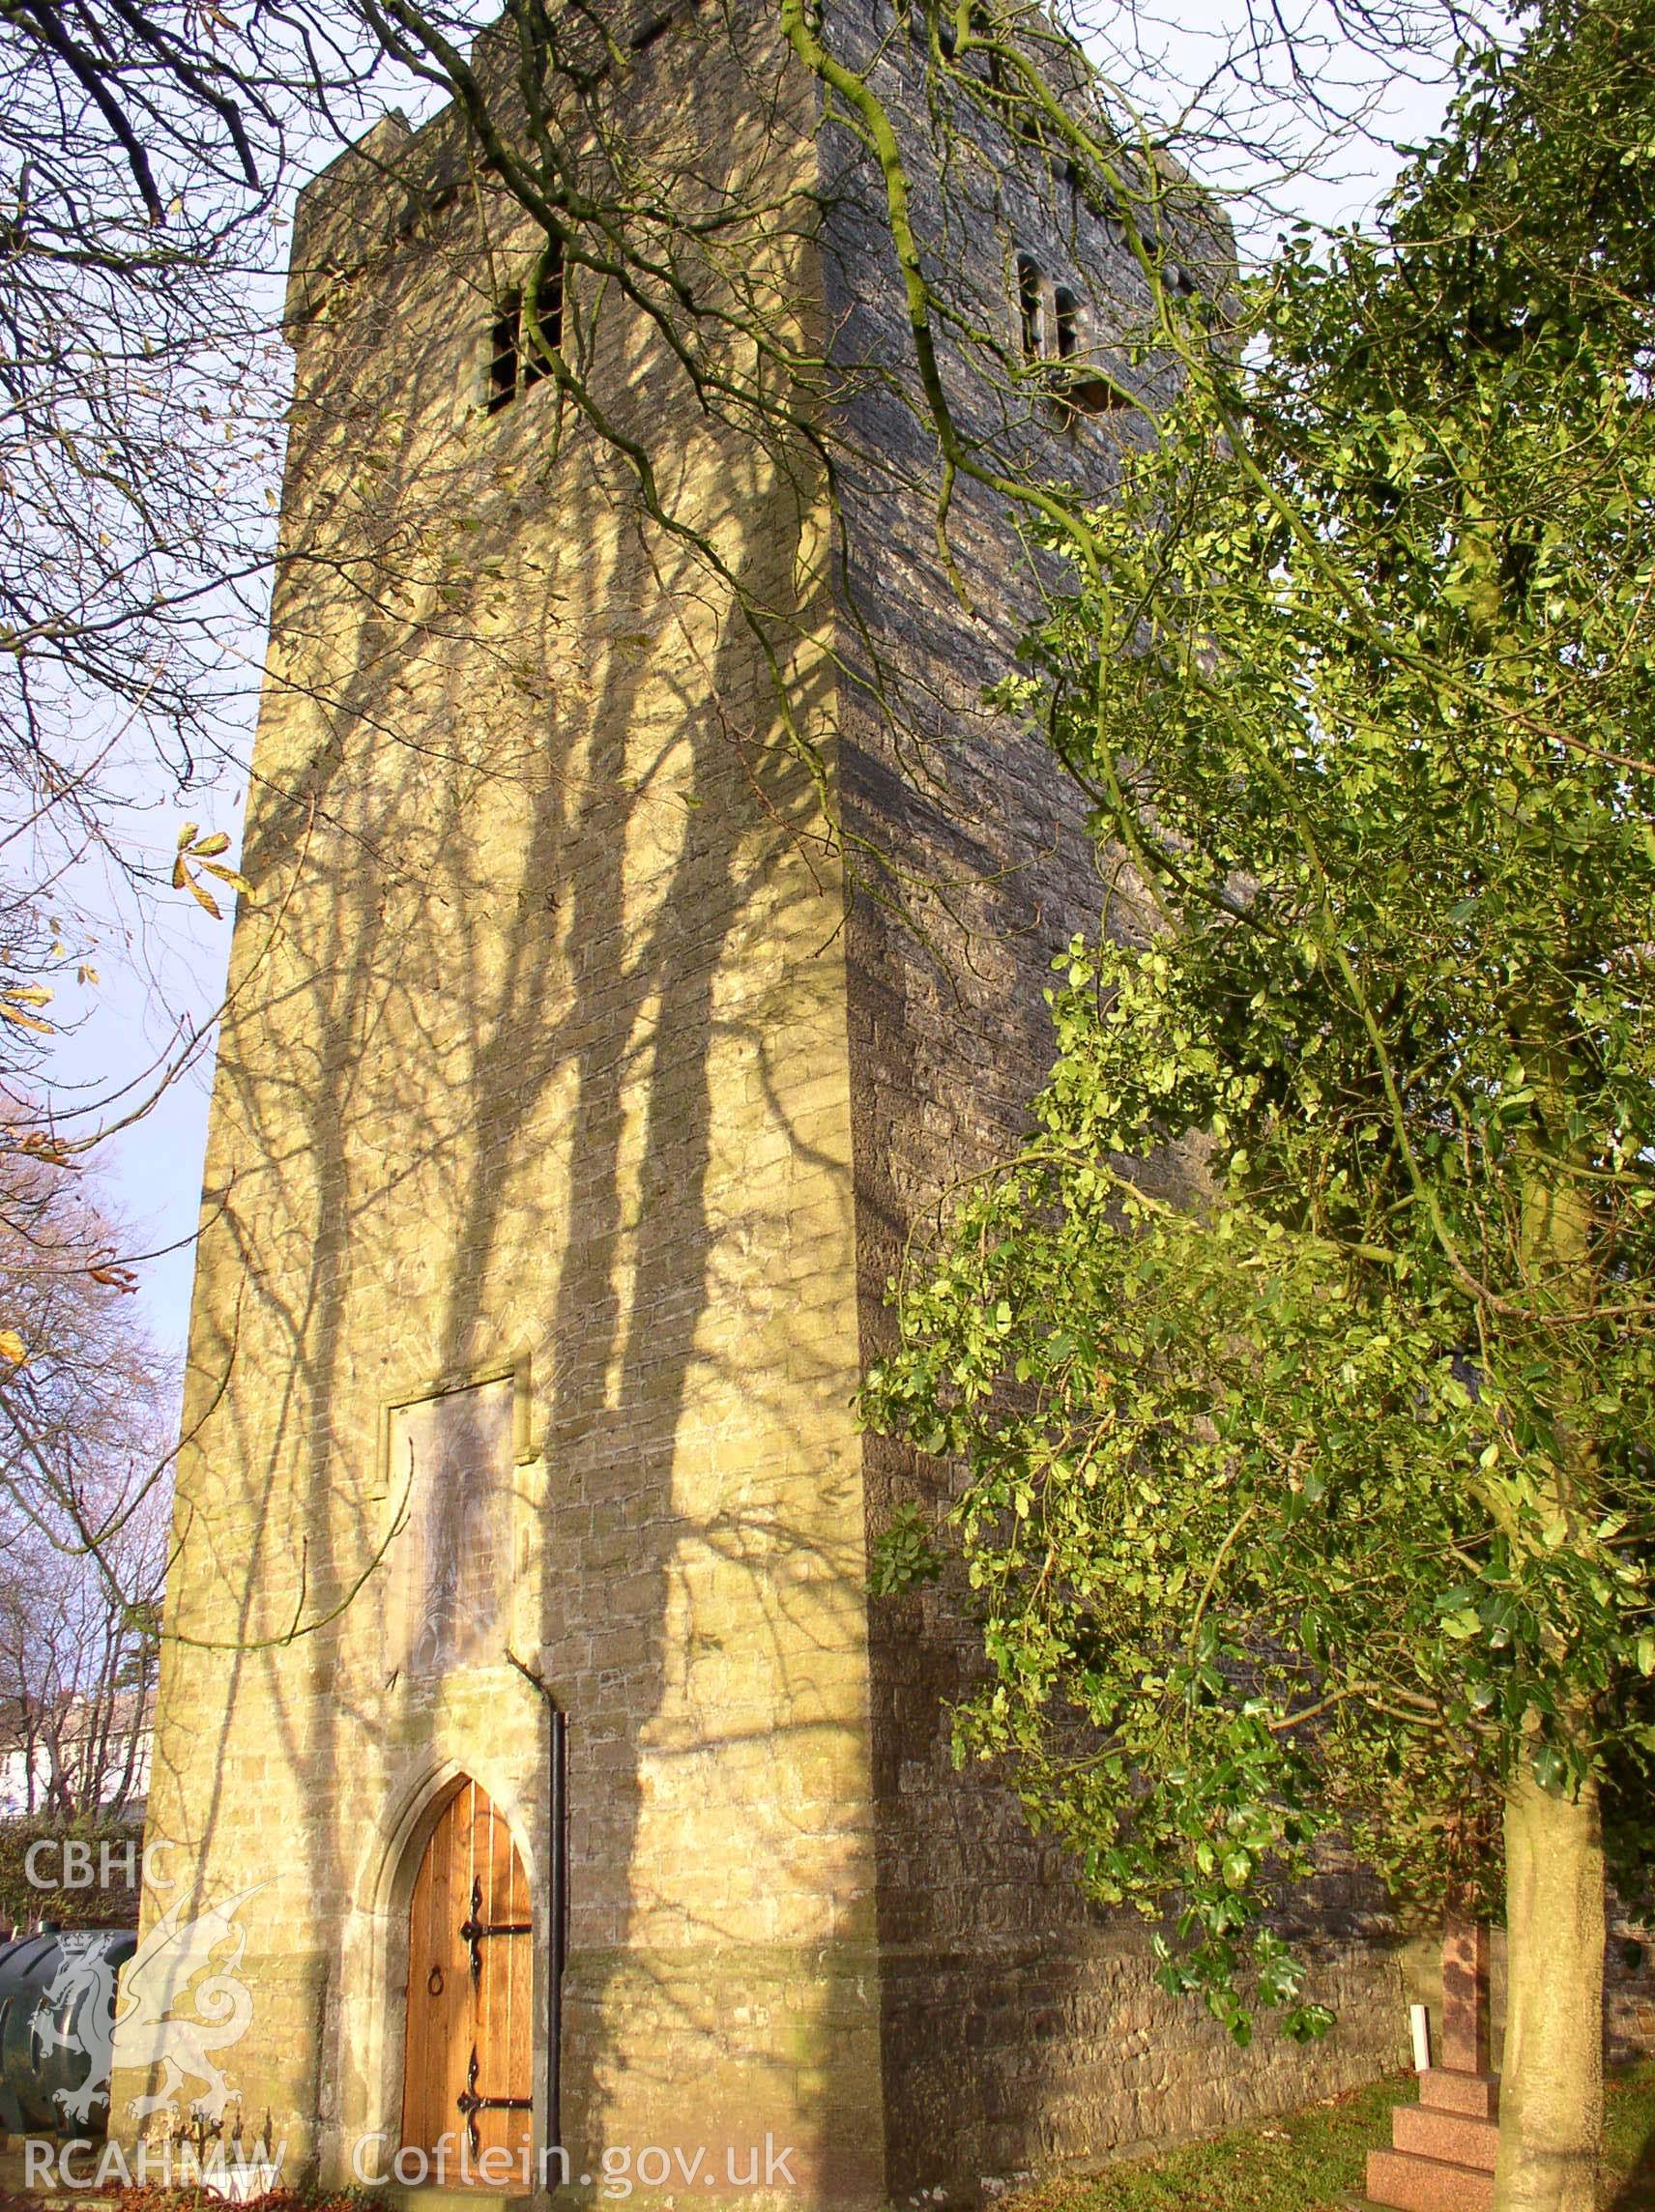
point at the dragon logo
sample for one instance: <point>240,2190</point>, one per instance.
<point>179,1964</point>
<point>83,1992</point>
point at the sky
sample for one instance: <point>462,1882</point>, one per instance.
<point>167,968</point>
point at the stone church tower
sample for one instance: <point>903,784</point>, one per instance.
<point>594,1042</point>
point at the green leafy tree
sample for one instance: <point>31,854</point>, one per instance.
<point>1303,1367</point>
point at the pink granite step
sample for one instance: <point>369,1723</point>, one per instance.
<point>1477,2095</point>
<point>1425,2132</point>
<point>1396,2177</point>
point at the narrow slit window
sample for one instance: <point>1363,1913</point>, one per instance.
<point>1080,382</point>
<point>1029,307</point>
<point>503,335</point>
<point>1066,314</point>
<point>549,314</point>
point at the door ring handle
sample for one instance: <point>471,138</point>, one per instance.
<point>434,1982</point>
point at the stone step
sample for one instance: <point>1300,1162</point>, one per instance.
<point>1397,2178</point>
<point>1476,2095</point>
<point>1461,2141</point>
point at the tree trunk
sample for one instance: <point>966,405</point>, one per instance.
<point>1552,2080</point>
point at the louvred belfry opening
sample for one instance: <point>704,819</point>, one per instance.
<point>470,2055</point>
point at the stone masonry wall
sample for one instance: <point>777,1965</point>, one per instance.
<point>535,1058</point>
<point>1022,2028</point>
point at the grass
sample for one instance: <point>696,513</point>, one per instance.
<point>1314,2160</point>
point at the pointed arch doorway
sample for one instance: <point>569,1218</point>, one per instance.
<point>468,2069</point>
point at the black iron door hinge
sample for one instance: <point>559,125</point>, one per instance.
<point>471,2104</point>
<point>475,1930</point>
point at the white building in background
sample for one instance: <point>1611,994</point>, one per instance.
<point>113,1736</point>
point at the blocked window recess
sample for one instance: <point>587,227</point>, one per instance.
<point>1055,339</point>
<point>513,359</point>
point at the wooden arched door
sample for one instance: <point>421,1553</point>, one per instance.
<point>470,2055</point>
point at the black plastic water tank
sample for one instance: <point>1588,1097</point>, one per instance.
<point>57,2013</point>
